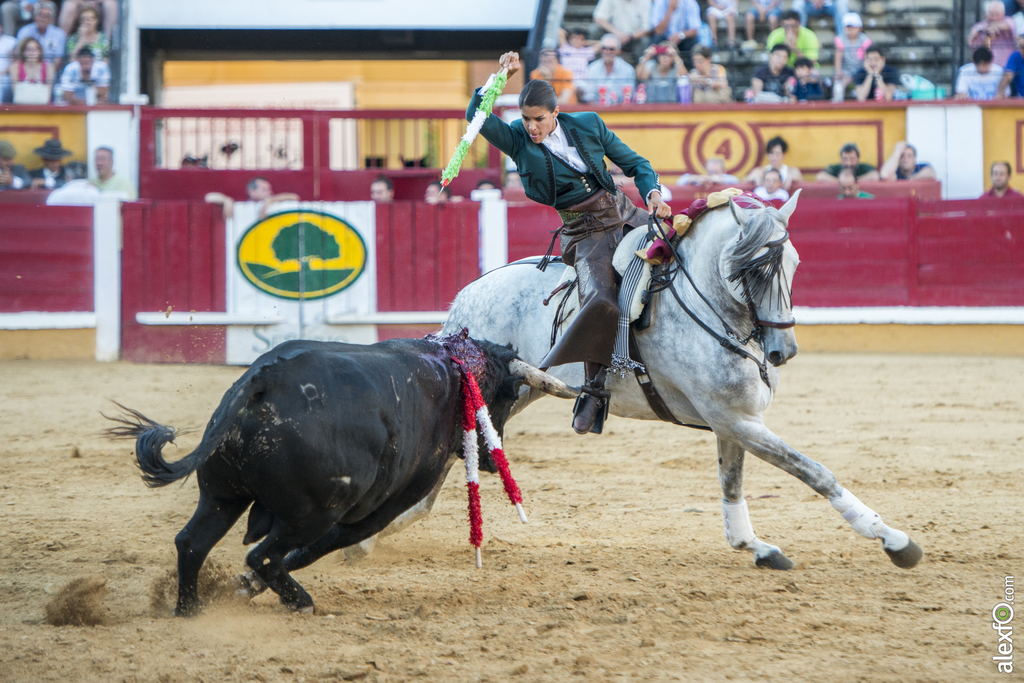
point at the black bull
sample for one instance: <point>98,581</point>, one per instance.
<point>328,443</point>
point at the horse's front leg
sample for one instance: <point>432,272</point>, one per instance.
<point>738,530</point>
<point>759,440</point>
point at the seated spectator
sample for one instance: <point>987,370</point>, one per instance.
<point>108,181</point>
<point>764,11</point>
<point>876,80</point>
<point>77,191</point>
<point>557,75</point>
<point>776,151</point>
<point>676,21</point>
<point>1011,8</point>
<point>576,53</point>
<point>437,194</point>
<point>808,83</point>
<point>849,189</point>
<point>1000,176</point>
<point>981,79</point>
<point>659,69</point>
<point>513,181</point>
<point>627,20</point>
<point>819,8</point>
<point>996,32</point>
<point>31,69</point>
<point>14,14</point>
<point>709,82</point>
<point>108,9</point>
<point>801,41</point>
<point>1013,74</point>
<point>610,77</point>
<point>849,158</point>
<point>716,175</point>
<point>382,190</point>
<point>902,165</point>
<point>850,46</point>
<point>726,10</point>
<point>85,80</point>
<point>773,83</point>
<point>7,46</point>
<point>772,188</point>
<point>53,174</point>
<point>12,177</point>
<point>50,37</point>
<point>87,34</point>
<point>258,189</point>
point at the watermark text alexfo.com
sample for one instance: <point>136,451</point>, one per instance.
<point>1002,615</point>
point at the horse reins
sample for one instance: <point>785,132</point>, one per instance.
<point>731,341</point>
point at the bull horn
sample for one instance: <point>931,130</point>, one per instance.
<point>542,381</point>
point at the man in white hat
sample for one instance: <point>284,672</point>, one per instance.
<point>850,46</point>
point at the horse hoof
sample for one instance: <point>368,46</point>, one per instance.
<point>774,560</point>
<point>306,610</point>
<point>906,558</point>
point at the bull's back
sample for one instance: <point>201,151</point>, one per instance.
<point>345,424</point>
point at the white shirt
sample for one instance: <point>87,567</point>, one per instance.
<point>764,194</point>
<point>558,144</point>
<point>71,80</point>
<point>7,45</point>
<point>52,40</point>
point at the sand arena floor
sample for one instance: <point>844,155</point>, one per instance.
<point>622,574</point>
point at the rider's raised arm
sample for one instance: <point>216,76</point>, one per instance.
<point>632,164</point>
<point>495,131</point>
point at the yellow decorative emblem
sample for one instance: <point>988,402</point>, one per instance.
<point>301,255</point>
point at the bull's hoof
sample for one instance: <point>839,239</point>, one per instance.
<point>190,610</point>
<point>774,560</point>
<point>249,585</point>
<point>907,557</point>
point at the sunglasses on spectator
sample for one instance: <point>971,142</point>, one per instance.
<point>609,49</point>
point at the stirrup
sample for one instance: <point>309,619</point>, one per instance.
<point>602,411</point>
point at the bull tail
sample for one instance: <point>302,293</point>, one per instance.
<point>150,438</point>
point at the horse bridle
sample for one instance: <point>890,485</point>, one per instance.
<point>731,341</point>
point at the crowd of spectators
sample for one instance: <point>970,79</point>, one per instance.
<point>66,180</point>
<point>50,58</point>
<point>648,43</point>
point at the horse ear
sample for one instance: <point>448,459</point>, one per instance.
<point>789,207</point>
<point>738,213</point>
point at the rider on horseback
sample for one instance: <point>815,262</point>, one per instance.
<point>560,159</point>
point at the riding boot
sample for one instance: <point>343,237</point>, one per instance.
<point>592,406</point>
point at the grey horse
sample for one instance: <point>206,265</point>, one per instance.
<point>719,332</point>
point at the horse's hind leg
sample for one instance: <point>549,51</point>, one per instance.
<point>760,441</point>
<point>738,530</point>
<point>211,520</point>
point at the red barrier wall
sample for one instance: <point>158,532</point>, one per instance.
<point>426,253</point>
<point>46,256</point>
<point>173,256</point>
<point>890,251</point>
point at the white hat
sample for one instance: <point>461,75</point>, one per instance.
<point>852,19</point>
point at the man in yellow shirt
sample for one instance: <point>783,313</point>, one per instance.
<point>107,180</point>
<point>801,41</point>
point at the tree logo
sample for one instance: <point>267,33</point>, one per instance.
<point>301,255</point>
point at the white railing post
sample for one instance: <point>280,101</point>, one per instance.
<point>493,229</point>
<point>106,266</point>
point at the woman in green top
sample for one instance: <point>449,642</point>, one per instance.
<point>87,33</point>
<point>560,159</point>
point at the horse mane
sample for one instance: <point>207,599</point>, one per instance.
<point>760,271</point>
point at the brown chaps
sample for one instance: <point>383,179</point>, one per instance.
<point>591,231</point>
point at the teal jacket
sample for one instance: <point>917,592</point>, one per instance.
<point>546,178</point>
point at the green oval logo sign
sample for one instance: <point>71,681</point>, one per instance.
<point>301,255</point>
